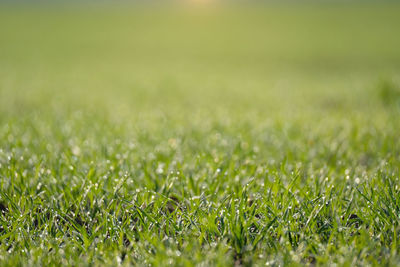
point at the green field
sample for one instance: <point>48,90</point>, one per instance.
<point>245,135</point>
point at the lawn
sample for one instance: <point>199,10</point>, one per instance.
<point>229,135</point>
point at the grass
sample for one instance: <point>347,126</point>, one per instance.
<point>239,136</point>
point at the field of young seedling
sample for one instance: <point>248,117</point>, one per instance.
<point>195,135</point>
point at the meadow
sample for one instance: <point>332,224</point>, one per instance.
<point>227,135</point>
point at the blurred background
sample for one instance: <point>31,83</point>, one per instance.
<point>125,58</point>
